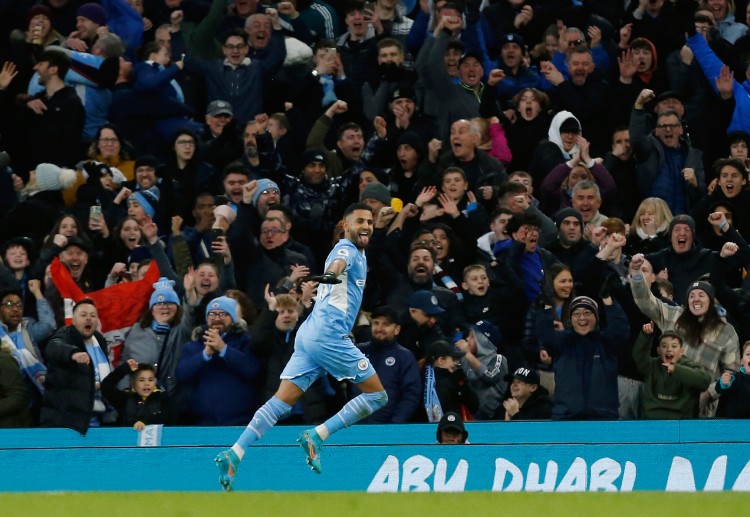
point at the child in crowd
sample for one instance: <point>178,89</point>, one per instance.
<point>528,400</point>
<point>482,301</point>
<point>446,387</point>
<point>672,384</point>
<point>666,289</point>
<point>734,388</point>
<point>144,404</point>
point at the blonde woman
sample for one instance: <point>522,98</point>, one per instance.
<point>648,231</point>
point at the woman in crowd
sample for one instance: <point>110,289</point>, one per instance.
<point>648,231</point>
<point>708,339</point>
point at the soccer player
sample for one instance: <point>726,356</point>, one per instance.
<point>322,345</point>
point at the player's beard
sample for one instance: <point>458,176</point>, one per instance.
<point>358,240</point>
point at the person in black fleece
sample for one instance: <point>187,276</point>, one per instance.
<point>144,404</point>
<point>528,399</point>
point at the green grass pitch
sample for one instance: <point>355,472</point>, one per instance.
<point>340,504</point>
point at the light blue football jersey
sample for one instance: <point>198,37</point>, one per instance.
<point>336,306</point>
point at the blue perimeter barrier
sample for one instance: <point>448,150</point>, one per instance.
<point>709,455</point>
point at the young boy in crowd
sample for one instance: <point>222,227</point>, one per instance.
<point>446,387</point>
<point>145,404</point>
<point>528,400</point>
<point>486,301</point>
<point>734,388</point>
<point>672,384</point>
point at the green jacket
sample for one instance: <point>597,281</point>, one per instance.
<point>665,395</point>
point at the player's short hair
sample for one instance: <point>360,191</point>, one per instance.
<point>473,267</point>
<point>356,206</point>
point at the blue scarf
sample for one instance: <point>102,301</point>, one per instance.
<point>329,97</point>
<point>30,366</point>
<point>160,328</point>
<point>431,400</point>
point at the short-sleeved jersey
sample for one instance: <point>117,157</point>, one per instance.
<point>337,305</point>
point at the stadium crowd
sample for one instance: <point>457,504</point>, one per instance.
<point>559,191</point>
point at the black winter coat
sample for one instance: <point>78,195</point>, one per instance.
<point>69,386</point>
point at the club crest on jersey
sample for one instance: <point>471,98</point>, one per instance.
<point>363,364</point>
<point>390,361</point>
<point>343,252</point>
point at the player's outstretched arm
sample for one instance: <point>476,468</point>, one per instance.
<point>331,275</point>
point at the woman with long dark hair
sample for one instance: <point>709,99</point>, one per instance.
<point>708,339</point>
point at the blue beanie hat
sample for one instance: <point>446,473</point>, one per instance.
<point>223,303</point>
<point>263,184</point>
<point>147,199</point>
<point>163,293</point>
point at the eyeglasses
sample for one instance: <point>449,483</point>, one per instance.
<point>186,142</point>
<point>164,304</point>
<point>109,140</point>
<point>575,43</point>
<point>272,231</point>
<point>269,192</point>
<point>667,126</point>
<point>582,314</point>
<point>235,47</point>
<point>10,305</point>
<point>217,314</point>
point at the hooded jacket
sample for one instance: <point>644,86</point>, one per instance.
<point>487,381</point>
<point>550,153</point>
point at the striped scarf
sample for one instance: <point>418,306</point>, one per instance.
<point>439,274</point>
<point>30,366</point>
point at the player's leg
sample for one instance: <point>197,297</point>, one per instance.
<point>228,461</point>
<point>298,374</point>
<point>372,398</point>
<point>266,417</point>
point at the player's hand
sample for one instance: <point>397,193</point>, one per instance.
<point>328,278</point>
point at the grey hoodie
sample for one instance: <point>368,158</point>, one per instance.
<point>488,382</point>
